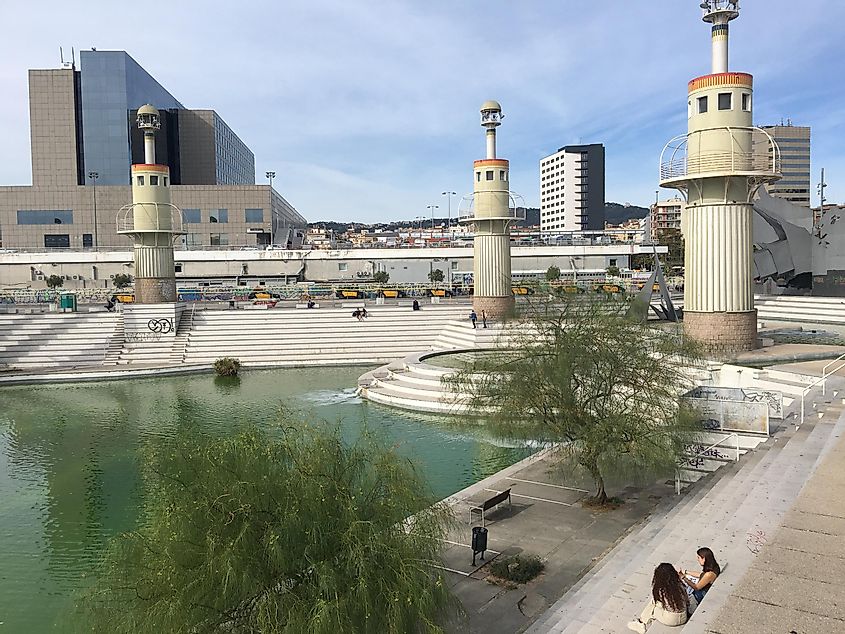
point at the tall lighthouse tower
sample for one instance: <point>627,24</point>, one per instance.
<point>151,220</point>
<point>489,209</point>
<point>718,166</point>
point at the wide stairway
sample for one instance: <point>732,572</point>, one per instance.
<point>813,310</point>
<point>315,337</point>
<point>733,512</point>
<point>57,340</point>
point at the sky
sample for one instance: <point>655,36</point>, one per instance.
<point>368,110</point>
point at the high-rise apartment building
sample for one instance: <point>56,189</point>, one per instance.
<point>84,141</point>
<point>794,144</point>
<point>572,189</point>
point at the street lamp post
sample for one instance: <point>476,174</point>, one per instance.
<point>271,176</point>
<point>449,211</point>
<point>432,208</point>
<point>94,176</point>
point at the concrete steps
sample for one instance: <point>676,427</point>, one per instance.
<point>740,502</point>
<point>821,310</point>
<point>55,340</point>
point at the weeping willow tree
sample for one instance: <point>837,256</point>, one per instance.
<point>300,533</point>
<point>602,387</point>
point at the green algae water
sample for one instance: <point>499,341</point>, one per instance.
<point>70,472</point>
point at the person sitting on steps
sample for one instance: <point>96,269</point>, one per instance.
<point>701,582</point>
<point>669,602</point>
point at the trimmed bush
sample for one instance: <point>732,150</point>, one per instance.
<point>518,569</point>
<point>227,366</point>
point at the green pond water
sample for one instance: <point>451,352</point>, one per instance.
<point>69,464</point>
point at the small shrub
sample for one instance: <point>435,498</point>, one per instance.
<point>518,569</point>
<point>381,277</point>
<point>54,281</point>
<point>436,276</point>
<point>227,366</point>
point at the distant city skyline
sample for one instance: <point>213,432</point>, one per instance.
<point>368,111</point>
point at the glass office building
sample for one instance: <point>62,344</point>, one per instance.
<point>113,84</point>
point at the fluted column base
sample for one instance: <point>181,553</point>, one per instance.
<point>155,290</point>
<point>494,307</point>
<point>722,335</point>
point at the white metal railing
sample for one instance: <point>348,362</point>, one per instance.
<point>823,380</point>
<point>161,217</point>
<point>516,206</point>
<point>752,150</point>
<point>702,453</point>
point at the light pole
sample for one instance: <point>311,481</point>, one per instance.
<point>432,208</point>
<point>271,176</point>
<point>449,209</point>
<point>94,176</point>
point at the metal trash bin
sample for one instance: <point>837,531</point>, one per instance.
<point>67,302</point>
<point>479,542</point>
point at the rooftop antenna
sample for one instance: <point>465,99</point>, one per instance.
<point>61,56</point>
<point>719,13</point>
<point>73,58</point>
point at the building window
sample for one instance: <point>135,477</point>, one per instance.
<point>503,175</point>
<point>154,180</point>
<point>489,175</point>
<point>165,181</point>
<point>254,215</point>
<point>87,240</point>
<point>702,105</point>
<point>219,239</point>
<point>478,177</point>
<point>612,262</point>
<point>454,265</point>
<point>177,267</point>
<point>221,216</point>
<point>725,101</point>
<point>746,102</point>
<point>139,180</point>
<point>191,216</point>
<point>57,241</point>
<point>45,217</point>
<point>342,266</point>
<point>193,240</point>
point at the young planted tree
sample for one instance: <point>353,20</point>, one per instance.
<point>603,388</point>
<point>257,533</point>
<point>381,277</point>
<point>121,280</point>
<point>54,281</point>
<point>613,271</point>
<point>553,273</point>
<point>435,276</point>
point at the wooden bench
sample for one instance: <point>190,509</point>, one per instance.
<point>489,504</point>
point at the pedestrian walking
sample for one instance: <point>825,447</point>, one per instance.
<point>484,319</point>
<point>473,318</point>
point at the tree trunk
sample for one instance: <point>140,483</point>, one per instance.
<point>591,464</point>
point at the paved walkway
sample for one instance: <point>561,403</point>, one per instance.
<point>795,584</point>
<point>545,519</point>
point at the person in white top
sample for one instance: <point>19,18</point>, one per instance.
<point>669,603</point>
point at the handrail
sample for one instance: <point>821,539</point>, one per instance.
<point>823,380</point>
<point>704,451</point>
<point>825,373</point>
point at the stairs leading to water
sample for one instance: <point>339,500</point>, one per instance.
<point>56,340</point>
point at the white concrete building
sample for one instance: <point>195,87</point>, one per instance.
<point>572,189</point>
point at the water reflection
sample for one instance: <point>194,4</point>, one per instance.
<point>72,456</point>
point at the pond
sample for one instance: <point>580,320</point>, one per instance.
<point>69,463</point>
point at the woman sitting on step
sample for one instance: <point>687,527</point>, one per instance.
<point>669,601</point>
<point>700,582</point>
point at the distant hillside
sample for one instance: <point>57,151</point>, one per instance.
<point>615,214</point>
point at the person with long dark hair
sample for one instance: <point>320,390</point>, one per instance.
<point>669,601</point>
<point>701,582</point>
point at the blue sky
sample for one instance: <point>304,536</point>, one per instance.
<point>368,110</point>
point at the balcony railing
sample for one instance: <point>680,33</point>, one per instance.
<point>753,152</point>
<point>150,217</point>
<point>516,207</point>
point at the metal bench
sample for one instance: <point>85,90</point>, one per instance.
<point>490,503</point>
